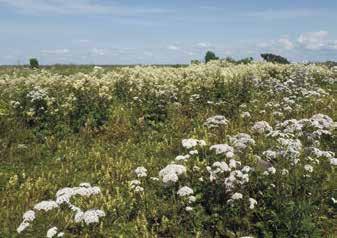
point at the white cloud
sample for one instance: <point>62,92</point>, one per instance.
<point>75,7</point>
<point>285,43</point>
<point>203,45</point>
<point>173,47</point>
<point>314,40</point>
<point>97,51</point>
<point>280,14</point>
<point>56,51</point>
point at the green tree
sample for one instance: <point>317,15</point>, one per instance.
<point>34,63</point>
<point>210,56</point>
<point>274,58</point>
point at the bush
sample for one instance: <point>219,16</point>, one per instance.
<point>34,63</point>
<point>210,56</point>
<point>274,58</point>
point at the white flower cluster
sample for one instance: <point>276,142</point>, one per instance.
<point>241,141</point>
<point>63,196</point>
<point>171,173</point>
<point>141,172</point>
<point>52,232</point>
<point>225,149</point>
<point>216,121</point>
<point>262,127</point>
<point>191,143</point>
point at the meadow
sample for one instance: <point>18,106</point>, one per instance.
<point>206,150</point>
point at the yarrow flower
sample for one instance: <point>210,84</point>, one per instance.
<point>171,172</point>
<point>141,172</point>
<point>252,203</point>
<point>237,196</point>
<point>90,216</point>
<point>262,127</point>
<point>309,168</point>
<point>216,121</point>
<point>185,191</point>
<point>46,205</point>
<point>52,232</point>
<point>333,161</point>
<point>191,143</point>
<point>225,149</point>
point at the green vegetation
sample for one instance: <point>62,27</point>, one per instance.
<point>253,148</point>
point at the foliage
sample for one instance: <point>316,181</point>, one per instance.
<point>274,58</point>
<point>210,150</point>
<point>210,55</point>
<point>34,63</point>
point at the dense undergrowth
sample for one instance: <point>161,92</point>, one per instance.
<point>216,150</point>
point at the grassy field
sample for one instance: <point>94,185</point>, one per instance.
<point>209,150</point>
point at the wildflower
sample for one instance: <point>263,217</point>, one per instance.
<point>189,209</point>
<point>139,189</point>
<point>191,199</point>
<point>185,191</point>
<point>46,205</point>
<point>271,170</point>
<point>52,232</point>
<point>90,216</point>
<point>285,172</point>
<point>234,163</point>
<point>237,196</point>
<point>171,172</point>
<point>241,141</point>
<point>252,203</point>
<point>29,216</point>
<point>334,200</point>
<point>223,149</point>
<point>182,157</point>
<point>308,168</point>
<point>141,172</point>
<point>190,143</point>
<point>245,115</point>
<point>22,226</point>
<point>193,152</point>
<point>333,161</point>
<point>216,121</point>
<point>262,127</point>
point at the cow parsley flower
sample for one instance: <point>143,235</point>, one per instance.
<point>185,191</point>
<point>245,115</point>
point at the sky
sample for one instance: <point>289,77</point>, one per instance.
<point>164,32</point>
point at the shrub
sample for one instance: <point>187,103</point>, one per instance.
<point>274,58</point>
<point>34,63</point>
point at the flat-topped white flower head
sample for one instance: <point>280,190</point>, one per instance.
<point>46,205</point>
<point>52,232</point>
<point>225,149</point>
<point>141,172</point>
<point>185,191</point>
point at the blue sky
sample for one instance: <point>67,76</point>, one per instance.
<point>175,31</point>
